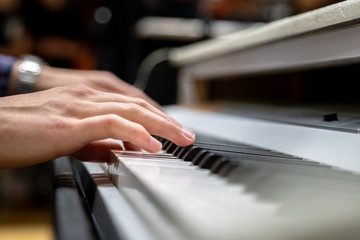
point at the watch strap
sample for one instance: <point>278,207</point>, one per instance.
<point>29,70</point>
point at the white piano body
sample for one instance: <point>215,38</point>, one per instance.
<point>311,192</point>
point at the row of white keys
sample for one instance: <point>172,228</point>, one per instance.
<point>202,204</point>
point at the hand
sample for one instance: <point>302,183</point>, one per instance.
<point>75,120</point>
<point>100,80</point>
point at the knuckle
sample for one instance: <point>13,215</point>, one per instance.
<point>80,90</point>
<point>141,102</point>
<point>109,123</point>
<point>61,123</point>
<point>132,131</point>
<point>110,120</point>
<point>67,107</point>
<point>73,108</point>
<point>133,108</point>
<point>137,131</point>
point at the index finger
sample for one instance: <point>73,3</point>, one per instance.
<point>114,97</point>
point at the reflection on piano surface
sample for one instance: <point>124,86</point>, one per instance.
<point>252,174</point>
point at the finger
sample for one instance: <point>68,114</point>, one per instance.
<point>140,94</point>
<point>114,126</point>
<point>126,89</point>
<point>97,151</point>
<point>112,97</point>
<point>131,147</point>
<point>152,122</point>
<point>112,83</point>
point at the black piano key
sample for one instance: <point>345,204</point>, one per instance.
<point>239,156</point>
<point>259,159</point>
<point>178,150</point>
<point>216,167</point>
<point>191,153</point>
<point>171,147</point>
<point>167,146</point>
<point>222,156</point>
<point>225,145</point>
<point>160,139</point>
<point>183,151</point>
<point>200,156</point>
<point>241,149</point>
<point>226,169</point>
<point>265,160</point>
<point>209,160</point>
<point>166,143</point>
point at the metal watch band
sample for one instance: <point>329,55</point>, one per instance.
<point>29,70</point>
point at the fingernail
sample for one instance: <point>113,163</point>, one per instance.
<point>155,144</point>
<point>188,133</point>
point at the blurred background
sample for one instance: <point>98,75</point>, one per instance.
<point>114,35</point>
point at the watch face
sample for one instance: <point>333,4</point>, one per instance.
<point>30,67</point>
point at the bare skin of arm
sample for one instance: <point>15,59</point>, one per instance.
<point>101,80</point>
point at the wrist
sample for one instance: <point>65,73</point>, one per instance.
<point>25,74</point>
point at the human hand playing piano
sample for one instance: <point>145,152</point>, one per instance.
<point>76,120</point>
<point>101,80</point>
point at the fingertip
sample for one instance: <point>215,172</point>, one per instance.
<point>185,138</point>
<point>189,134</point>
<point>155,145</point>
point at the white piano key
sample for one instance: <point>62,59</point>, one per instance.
<point>205,206</point>
<point>191,191</point>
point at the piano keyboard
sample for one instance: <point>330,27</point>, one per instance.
<point>226,190</point>
<point>241,180</point>
<point>246,177</point>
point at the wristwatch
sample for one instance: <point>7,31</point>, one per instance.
<point>29,69</point>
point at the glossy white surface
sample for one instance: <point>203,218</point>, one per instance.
<point>201,205</point>
<point>283,28</point>
<point>158,196</point>
<point>338,149</point>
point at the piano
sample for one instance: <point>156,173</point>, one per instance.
<point>256,171</point>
